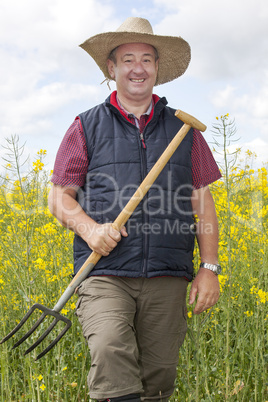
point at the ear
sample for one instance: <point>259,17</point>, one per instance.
<point>110,65</point>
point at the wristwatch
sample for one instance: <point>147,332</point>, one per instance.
<point>216,268</point>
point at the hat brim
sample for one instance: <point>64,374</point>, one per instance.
<point>174,52</point>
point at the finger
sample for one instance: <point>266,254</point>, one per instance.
<point>109,243</point>
<point>199,308</point>
<point>124,232</point>
<point>104,246</point>
<point>192,295</point>
<point>204,304</point>
<point>101,250</point>
<point>115,235</point>
<point>104,252</point>
<point>107,248</point>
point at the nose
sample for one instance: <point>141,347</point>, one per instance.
<point>138,68</point>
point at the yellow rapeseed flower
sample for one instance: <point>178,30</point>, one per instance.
<point>248,313</point>
<point>38,165</point>
<point>73,384</point>
<point>263,296</point>
<point>42,152</point>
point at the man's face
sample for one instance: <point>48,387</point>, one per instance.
<point>135,70</point>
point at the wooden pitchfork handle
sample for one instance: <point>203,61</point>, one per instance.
<point>127,211</point>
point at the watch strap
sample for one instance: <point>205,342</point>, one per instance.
<point>216,268</point>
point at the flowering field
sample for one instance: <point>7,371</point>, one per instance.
<point>225,355</point>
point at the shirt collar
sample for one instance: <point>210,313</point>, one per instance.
<point>128,114</point>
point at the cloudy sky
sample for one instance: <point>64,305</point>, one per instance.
<point>46,79</point>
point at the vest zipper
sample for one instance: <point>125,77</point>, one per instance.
<point>145,219</point>
<point>142,141</point>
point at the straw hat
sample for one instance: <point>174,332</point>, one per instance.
<point>174,52</point>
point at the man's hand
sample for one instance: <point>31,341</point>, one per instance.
<point>206,286</point>
<point>64,206</point>
<point>104,238</point>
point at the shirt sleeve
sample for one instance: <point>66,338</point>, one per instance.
<point>204,167</point>
<point>71,164</point>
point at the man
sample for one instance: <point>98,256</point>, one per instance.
<point>132,308</point>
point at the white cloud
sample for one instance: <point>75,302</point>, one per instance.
<point>52,24</point>
<point>33,112</point>
<point>254,101</point>
<point>260,148</point>
<point>222,98</point>
<point>41,68</point>
<point>45,77</point>
<point>228,38</point>
<point>249,105</point>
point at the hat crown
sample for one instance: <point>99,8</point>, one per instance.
<point>137,25</point>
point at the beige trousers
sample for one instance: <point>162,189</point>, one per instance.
<point>134,329</point>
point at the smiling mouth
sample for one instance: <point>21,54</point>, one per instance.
<point>137,80</point>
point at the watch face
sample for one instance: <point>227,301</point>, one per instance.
<point>218,269</point>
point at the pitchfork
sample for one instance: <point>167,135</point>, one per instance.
<point>94,257</point>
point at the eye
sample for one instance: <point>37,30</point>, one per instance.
<point>127,59</point>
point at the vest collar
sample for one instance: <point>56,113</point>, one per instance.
<point>159,104</point>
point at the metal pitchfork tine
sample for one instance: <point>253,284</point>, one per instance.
<point>94,257</point>
<point>46,312</point>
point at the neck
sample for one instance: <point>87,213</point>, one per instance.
<point>135,107</point>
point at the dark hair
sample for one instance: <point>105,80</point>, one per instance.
<point>112,55</point>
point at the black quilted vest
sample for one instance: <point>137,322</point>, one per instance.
<point>160,232</point>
